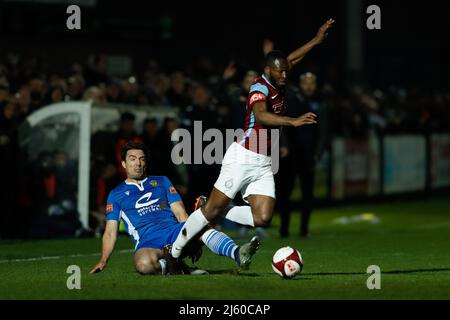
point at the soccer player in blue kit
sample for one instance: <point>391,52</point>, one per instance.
<point>154,214</point>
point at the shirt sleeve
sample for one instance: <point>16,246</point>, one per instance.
<point>112,208</point>
<point>172,194</point>
<point>258,93</point>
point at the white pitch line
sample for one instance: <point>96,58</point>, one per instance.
<point>59,257</point>
<point>431,226</point>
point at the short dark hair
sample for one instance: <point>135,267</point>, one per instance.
<point>272,56</point>
<point>127,116</point>
<point>307,75</point>
<point>130,145</point>
<point>150,120</point>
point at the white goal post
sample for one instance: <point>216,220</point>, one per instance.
<point>83,110</point>
<point>69,126</point>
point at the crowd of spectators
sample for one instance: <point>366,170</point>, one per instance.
<point>206,91</point>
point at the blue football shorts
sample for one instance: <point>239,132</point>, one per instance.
<point>158,238</point>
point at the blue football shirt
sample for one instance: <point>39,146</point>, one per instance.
<point>144,207</point>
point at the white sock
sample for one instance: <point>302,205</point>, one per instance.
<point>163,264</point>
<point>193,225</point>
<point>242,215</point>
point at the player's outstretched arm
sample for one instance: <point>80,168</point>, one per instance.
<point>269,119</point>
<point>304,119</point>
<point>108,243</point>
<point>297,55</point>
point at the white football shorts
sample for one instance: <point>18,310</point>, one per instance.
<point>246,171</point>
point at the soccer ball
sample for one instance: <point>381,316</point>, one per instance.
<point>287,262</point>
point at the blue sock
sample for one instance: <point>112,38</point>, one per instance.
<point>219,243</point>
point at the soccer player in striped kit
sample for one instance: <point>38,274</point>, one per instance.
<point>247,165</point>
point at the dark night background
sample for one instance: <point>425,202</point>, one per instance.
<point>411,48</point>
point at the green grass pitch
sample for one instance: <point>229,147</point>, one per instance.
<point>410,244</point>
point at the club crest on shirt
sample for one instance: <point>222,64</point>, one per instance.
<point>153,183</point>
<point>277,108</point>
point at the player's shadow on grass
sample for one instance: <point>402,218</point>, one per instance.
<point>234,272</point>
<point>252,274</point>
<point>384,272</point>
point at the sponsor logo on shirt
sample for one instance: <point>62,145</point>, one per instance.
<point>145,201</point>
<point>145,205</point>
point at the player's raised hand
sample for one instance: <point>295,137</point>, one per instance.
<point>98,268</point>
<point>229,71</point>
<point>323,30</point>
<point>307,118</point>
<point>267,46</point>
